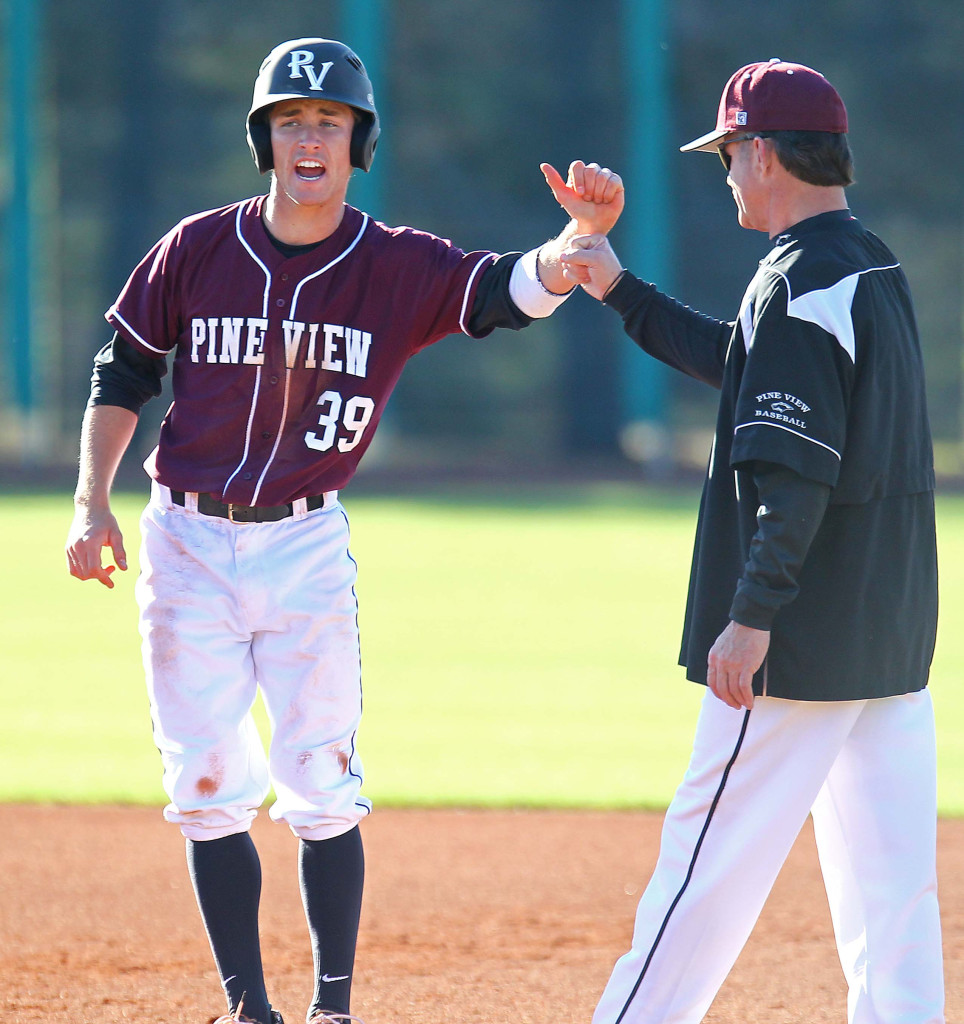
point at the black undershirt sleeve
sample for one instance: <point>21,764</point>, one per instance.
<point>791,510</point>
<point>124,376</point>
<point>493,307</point>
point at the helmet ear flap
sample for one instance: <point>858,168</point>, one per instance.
<point>364,138</point>
<point>259,142</point>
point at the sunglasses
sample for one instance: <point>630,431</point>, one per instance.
<point>721,149</point>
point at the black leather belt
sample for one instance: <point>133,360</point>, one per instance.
<point>208,505</point>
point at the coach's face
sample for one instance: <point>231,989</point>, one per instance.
<point>311,145</point>
<point>747,182</point>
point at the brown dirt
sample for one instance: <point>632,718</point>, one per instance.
<point>474,916</point>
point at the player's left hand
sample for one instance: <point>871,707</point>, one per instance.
<point>91,531</point>
<point>593,196</point>
<point>737,654</point>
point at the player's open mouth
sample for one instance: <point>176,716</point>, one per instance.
<point>309,170</point>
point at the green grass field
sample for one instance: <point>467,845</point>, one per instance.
<point>516,653</point>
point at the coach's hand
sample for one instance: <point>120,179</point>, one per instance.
<point>91,531</point>
<point>593,196</point>
<point>737,654</point>
<point>591,262</point>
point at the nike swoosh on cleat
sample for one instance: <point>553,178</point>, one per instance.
<point>342,977</point>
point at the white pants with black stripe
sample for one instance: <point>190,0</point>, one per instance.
<point>866,770</point>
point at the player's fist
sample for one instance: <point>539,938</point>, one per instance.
<point>91,532</point>
<point>590,261</point>
<point>593,196</point>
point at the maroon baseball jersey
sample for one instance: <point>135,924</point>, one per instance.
<point>282,366</point>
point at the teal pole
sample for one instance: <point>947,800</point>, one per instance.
<point>364,26</point>
<point>647,219</point>
<point>22,112</point>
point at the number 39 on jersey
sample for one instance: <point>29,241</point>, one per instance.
<point>342,427</point>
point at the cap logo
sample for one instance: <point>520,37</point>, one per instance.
<point>302,60</point>
<point>741,117</point>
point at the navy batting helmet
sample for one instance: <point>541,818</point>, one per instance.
<point>314,69</point>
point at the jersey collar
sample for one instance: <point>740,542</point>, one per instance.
<point>256,235</point>
<point>835,219</point>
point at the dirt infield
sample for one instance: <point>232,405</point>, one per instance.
<point>475,916</point>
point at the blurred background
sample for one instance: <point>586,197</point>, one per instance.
<point>119,118</point>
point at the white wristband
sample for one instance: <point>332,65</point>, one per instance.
<point>527,290</point>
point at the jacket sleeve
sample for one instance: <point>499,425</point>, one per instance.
<point>791,510</point>
<point>669,331</point>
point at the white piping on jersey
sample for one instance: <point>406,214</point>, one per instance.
<point>160,351</point>
<point>468,291</point>
<point>829,308</point>
<point>264,313</point>
<point>254,256</point>
<point>294,305</point>
<point>247,429</point>
<point>780,426</point>
<point>257,376</point>
<point>277,440</point>
<point>337,259</point>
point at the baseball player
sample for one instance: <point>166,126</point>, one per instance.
<point>289,317</point>
<point>812,606</point>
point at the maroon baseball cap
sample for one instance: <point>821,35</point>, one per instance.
<point>774,95</point>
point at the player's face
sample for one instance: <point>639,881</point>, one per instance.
<point>311,145</point>
<point>741,159</point>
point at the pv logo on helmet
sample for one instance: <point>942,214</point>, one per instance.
<point>301,60</point>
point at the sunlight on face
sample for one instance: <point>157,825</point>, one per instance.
<point>311,145</point>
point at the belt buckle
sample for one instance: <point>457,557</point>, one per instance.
<point>231,507</point>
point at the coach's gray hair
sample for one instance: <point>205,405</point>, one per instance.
<point>818,158</point>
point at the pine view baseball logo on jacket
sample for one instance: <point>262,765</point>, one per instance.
<point>774,405</point>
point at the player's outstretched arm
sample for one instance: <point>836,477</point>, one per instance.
<point>106,433</point>
<point>594,197</point>
<point>590,261</point>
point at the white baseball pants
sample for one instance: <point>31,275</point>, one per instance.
<point>866,770</point>
<point>226,608</point>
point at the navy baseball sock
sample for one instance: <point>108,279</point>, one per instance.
<point>332,877</point>
<point>227,882</point>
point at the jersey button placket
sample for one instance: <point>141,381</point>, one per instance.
<point>268,423</point>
